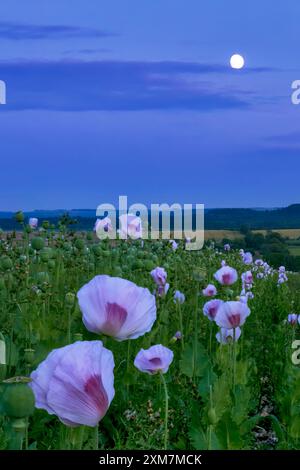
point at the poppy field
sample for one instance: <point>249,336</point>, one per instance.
<point>138,344</point>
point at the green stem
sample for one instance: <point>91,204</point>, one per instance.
<point>180,325</point>
<point>234,360</point>
<point>166,410</point>
<point>96,438</point>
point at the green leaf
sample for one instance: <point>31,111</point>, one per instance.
<point>194,361</point>
<point>198,438</point>
<point>12,354</point>
<point>208,378</point>
<point>228,433</point>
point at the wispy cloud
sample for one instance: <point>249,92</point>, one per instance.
<point>117,85</point>
<point>87,51</point>
<point>22,32</point>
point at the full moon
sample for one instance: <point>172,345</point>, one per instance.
<point>237,61</point>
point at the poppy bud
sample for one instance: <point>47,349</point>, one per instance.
<point>18,399</point>
<point>46,224</point>
<point>6,263</point>
<point>29,356</point>
<point>2,357</point>
<point>51,264</point>
<point>70,299</point>
<point>19,216</point>
<point>212,417</point>
<point>79,244</point>
<point>42,277</point>
<point>78,337</point>
<point>37,243</point>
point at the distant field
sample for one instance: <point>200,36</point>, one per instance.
<point>294,250</point>
<point>231,234</point>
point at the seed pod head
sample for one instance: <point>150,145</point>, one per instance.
<point>79,244</point>
<point>212,417</point>
<point>70,299</point>
<point>19,216</point>
<point>42,277</point>
<point>51,264</point>
<point>29,356</point>
<point>18,398</point>
<point>78,337</point>
<point>6,263</point>
<point>37,243</point>
<point>45,224</point>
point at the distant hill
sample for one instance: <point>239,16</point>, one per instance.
<point>215,219</point>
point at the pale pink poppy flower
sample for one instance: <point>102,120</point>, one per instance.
<point>227,247</point>
<point>131,226</point>
<point>179,297</point>
<point>162,290</point>
<point>210,308</point>
<point>232,314</point>
<point>293,318</point>
<point>75,383</point>
<point>226,276</point>
<point>247,258</point>
<point>225,336</point>
<point>159,276</point>
<point>247,277</point>
<point>153,360</point>
<point>33,222</point>
<point>103,226</point>
<point>116,307</point>
<point>209,291</point>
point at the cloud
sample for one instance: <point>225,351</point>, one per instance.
<point>88,51</point>
<point>22,32</point>
<point>117,85</point>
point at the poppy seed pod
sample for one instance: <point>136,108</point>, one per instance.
<point>79,244</point>
<point>6,263</point>
<point>2,357</point>
<point>70,299</point>
<point>18,399</point>
<point>37,243</point>
<point>212,417</point>
<point>19,216</point>
<point>29,356</point>
<point>42,277</point>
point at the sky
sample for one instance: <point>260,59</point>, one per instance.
<point>137,98</point>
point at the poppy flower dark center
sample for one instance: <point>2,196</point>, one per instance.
<point>95,390</point>
<point>115,319</point>
<point>226,278</point>
<point>156,361</point>
<point>235,320</point>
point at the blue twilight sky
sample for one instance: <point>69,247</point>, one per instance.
<point>136,97</point>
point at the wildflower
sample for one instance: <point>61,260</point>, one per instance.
<point>33,222</point>
<point>225,336</point>
<point>211,307</point>
<point>116,307</point>
<point>209,291</point>
<point>131,225</point>
<point>103,226</point>
<point>226,276</point>
<point>247,258</point>
<point>227,247</point>
<point>232,314</point>
<point>293,318</point>
<point>159,276</point>
<point>75,383</point>
<point>153,360</point>
<point>247,277</point>
<point>179,297</point>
